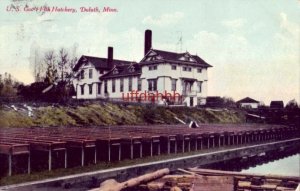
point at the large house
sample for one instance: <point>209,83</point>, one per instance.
<point>161,77</point>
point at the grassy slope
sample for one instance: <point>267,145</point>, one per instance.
<point>113,114</point>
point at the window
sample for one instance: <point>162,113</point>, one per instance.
<point>115,71</point>
<point>199,86</point>
<point>152,85</point>
<point>82,74</point>
<point>174,67</point>
<point>173,88</point>
<point>152,67</point>
<point>131,69</point>
<point>186,57</point>
<point>82,89</point>
<point>121,85</point>
<point>90,89</point>
<point>185,68</point>
<point>113,85</point>
<point>130,84</point>
<point>139,85</point>
<point>90,73</point>
<point>199,70</point>
<point>105,87</point>
<point>99,88</point>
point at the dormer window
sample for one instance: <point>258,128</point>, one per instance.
<point>186,57</point>
<point>157,58</point>
<point>115,71</point>
<point>131,69</point>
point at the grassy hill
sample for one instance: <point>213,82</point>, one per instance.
<point>105,113</point>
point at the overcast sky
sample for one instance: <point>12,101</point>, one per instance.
<point>252,45</point>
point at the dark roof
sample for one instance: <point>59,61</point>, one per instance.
<point>99,63</point>
<point>276,104</point>
<point>173,56</point>
<point>123,71</point>
<point>247,100</point>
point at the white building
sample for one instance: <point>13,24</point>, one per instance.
<point>248,102</point>
<point>176,78</point>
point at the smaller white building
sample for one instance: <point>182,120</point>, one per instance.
<point>248,103</point>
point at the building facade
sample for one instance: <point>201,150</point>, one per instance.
<point>248,103</point>
<point>160,77</point>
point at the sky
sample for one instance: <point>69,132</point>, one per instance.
<point>253,46</point>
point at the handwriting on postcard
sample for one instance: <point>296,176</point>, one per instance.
<point>65,9</point>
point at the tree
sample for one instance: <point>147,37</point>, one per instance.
<point>63,60</point>
<point>37,65</point>
<point>291,105</point>
<point>51,72</point>
<point>228,102</point>
<point>293,112</point>
<point>55,82</point>
<point>8,85</point>
<point>1,84</point>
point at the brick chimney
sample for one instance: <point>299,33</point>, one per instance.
<point>148,41</point>
<point>110,57</point>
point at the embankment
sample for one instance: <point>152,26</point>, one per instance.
<point>105,113</point>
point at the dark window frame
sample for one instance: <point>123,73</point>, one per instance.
<point>99,88</point>
<point>113,85</point>
<point>199,84</point>
<point>105,87</point>
<point>82,89</point>
<point>82,74</point>
<point>90,89</point>
<point>90,73</point>
<point>121,84</point>
<point>139,84</point>
<point>152,84</point>
<point>173,84</point>
<point>130,84</point>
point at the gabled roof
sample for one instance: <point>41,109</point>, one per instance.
<point>175,57</point>
<point>247,100</point>
<point>123,71</point>
<point>99,63</point>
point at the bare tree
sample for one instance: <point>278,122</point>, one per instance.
<point>63,60</point>
<point>51,72</point>
<point>36,63</point>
